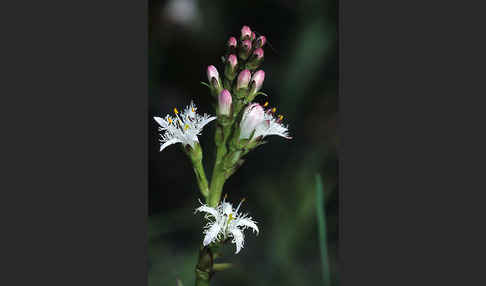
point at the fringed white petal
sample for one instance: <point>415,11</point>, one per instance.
<point>238,238</point>
<point>211,233</point>
<point>209,210</point>
<point>205,120</point>
<point>247,222</point>
<point>169,142</point>
<point>161,122</point>
<point>226,207</point>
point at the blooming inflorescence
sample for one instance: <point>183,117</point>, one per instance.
<point>183,128</point>
<point>226,222</point>
<point>241,125</point>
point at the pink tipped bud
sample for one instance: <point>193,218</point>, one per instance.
<point>258,53</point>
<point>261,41</point>
<point>233,61</point>
<point>258,79</point>
<point>232,42</point>
<point>247,45</point>
<point>213,75</point>
<point>243,79</point>
<point>253,36</point>
<point>253,115</point>
<point>245,33</point>
<point>224,102</point>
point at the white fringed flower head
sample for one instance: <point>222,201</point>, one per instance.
<point>271,125</point>
<point>182,128</point>
<point>226,222</point>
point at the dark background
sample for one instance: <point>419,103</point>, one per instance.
<point>74,143</point>
<point>185,36</point>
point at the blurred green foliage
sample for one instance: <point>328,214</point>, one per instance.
<point>277,178</point>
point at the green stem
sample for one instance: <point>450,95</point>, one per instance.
<point>218,178</point>
<point>204,267</point>
<point>217,183</point>
<point>196,156</point>
<point>201,177</point>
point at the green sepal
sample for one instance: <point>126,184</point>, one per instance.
<point>241,93</point>
<point>243,143</point>
<point>205,84</point>
<point>253,63</point>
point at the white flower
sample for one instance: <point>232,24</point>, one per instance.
<point>271,126</point>
<point>225,222</point>
<point>252,116</point>
<point>183,128</point>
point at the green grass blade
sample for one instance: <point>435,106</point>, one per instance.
<point>321,225</point>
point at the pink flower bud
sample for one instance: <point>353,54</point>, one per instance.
<point>243,79</point>
<point>224,102</point>
<point>261,41</point>
<point>245,33</point>
<point>232,42</point>
<point>233,61</point>
<point>247,45</point>
<point>258,79</point>
<point>253,36</point>
<point>253,115</point>
<point>213,75</point>
<point>258,53</point>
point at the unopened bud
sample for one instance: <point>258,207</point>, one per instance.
<point>232,42</point>
<point>245,49</point>
<point>243,79</point>
<point>255,60</point>
<point>213,75</point>
<point>257,80</point>
<point>247,45</point>
<point>256,84</point>
<point>261,41</point>
<point>253,115</point>
<point>253,36</point>
<point>233,61</point>
<point>231,67</point>
<point>258,53</point>
<point>214,81</point>
<point>245,33</point>
<point>224,102</point>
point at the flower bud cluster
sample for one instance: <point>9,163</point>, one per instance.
<point>241,80</point>
<point>246,122</point>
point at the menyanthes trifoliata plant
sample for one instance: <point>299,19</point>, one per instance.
<point>241,126</point>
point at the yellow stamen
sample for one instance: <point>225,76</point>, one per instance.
<point>225,196</point>
<point>186,127</point>
<point>265,104</point>
<point>274,110</point>
<point>280,117</point>
<point>175,111</point>
<point>243,199</point>
<point>170,120</point>
<point>193,110</point>
<point>230,218</point>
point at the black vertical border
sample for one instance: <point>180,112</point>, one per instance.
<point>74,141</point>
